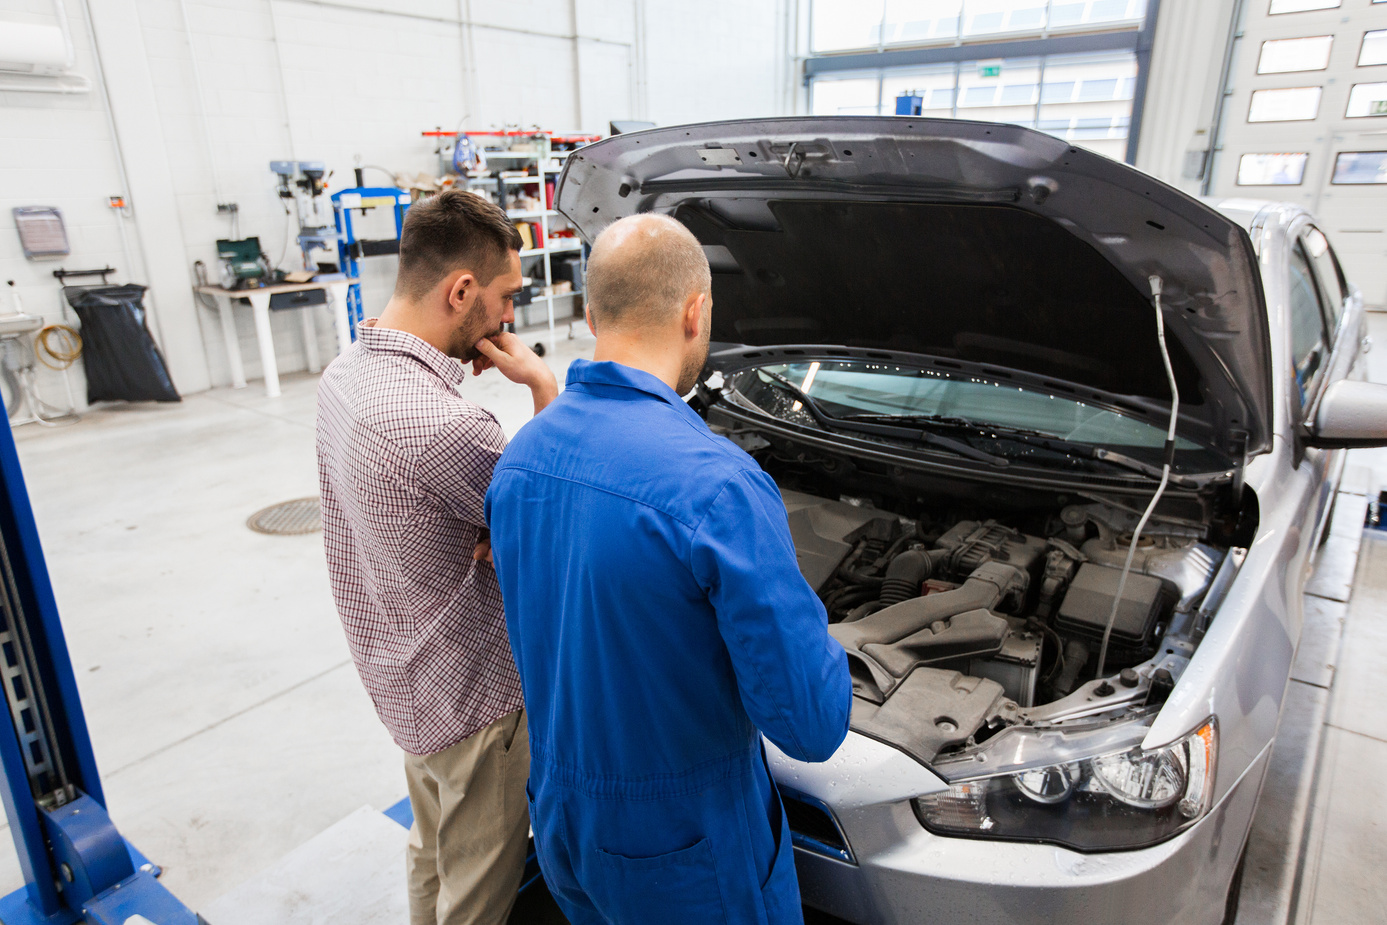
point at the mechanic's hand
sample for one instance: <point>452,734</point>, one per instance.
<point>519,364</point>
<point>482,552</point>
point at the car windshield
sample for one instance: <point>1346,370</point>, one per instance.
<point>862,391</point>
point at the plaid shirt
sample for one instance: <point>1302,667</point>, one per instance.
<point>404,463</point>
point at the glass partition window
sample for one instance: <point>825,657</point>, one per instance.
<point>1070,13</point>
<point>1374,50</point>
<point>1367,100</point>
<point>1282,56</point>
<point>912,22</point>
<point>1300,6</point>
<point>843,24</point>
<point>1354,167</point>
<point>1293,104</point>
<point>1084,99</point>
<point>1088,101</point>
<point>844,96</point>
<point>1272,169</point>
<point>990,17</point>
<point>934,85</point>
<point>999,91</point>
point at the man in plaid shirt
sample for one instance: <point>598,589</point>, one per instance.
<point>404,464</point>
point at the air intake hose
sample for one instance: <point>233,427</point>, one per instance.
<point>905,574</point>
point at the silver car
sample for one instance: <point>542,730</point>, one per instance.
<point>1058,444</point>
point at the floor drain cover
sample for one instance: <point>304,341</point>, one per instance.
<point>288,518</point>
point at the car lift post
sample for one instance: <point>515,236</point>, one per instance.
<point>77,867</point>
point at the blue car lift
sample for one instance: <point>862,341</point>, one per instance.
<point>77,867</point>
<point>350,248</point>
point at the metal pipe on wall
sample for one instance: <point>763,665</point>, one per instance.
<point>151,307</point>
<point>1216,128</point>
<point>202,101</point>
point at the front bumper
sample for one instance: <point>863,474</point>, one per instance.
<point>918,876</point>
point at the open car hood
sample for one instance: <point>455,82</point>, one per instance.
<point>990,249</point>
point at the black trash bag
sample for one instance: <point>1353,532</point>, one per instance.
<point>122,361</point>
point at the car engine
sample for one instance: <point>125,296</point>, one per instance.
<point>957,628</point>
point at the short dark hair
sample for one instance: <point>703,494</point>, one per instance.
<point>454,230</point>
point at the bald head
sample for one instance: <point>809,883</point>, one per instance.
<point>641,271</point>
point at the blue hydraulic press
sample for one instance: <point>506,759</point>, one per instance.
<point>77,867</point>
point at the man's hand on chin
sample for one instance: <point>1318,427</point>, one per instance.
<point>519,364</point>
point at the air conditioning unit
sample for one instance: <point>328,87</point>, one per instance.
<point>30,49</point>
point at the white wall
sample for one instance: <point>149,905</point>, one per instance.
<point>58,150</point>
<point>716,59</point>
<point>205,93</point>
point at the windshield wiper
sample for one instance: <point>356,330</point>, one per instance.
<point>919,434</point>
<point>1031,438</point>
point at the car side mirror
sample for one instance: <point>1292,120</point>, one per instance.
<point>1351,414</point>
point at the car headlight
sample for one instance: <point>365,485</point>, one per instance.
<point>1117,796</point>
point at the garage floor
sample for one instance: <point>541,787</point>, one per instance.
<point>231,728</point>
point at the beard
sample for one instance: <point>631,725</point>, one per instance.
<point>693,362</point>
<point>473,328</point>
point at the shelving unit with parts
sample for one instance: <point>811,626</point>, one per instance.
<point>523,167</point>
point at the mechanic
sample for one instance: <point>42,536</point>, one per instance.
<point>404,462</point>
<point>658,618</point>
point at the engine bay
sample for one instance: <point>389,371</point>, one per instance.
<point>975,598</point>
<point>958,627</point>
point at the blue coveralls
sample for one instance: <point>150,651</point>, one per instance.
<point>658,620</point>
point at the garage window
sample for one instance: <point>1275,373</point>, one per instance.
<point>1293,104</point>
<point>1367,100</point>
<point>1374,50</point>
<point>1282,56</point>
<point>1357,167</point>
<point>1300,6</point>
<point>1272,169</point>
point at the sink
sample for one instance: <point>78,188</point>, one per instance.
<point>17,324</point>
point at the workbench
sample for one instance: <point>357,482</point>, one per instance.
<point>259,300</point>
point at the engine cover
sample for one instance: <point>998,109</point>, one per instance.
<point>931,710</point>
<point>820,529</point>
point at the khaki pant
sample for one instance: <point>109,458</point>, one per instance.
<point>467,844</point>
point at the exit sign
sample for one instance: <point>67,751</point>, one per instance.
<point>989,69</point>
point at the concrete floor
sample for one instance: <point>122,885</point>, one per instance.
<point>231,728</point>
